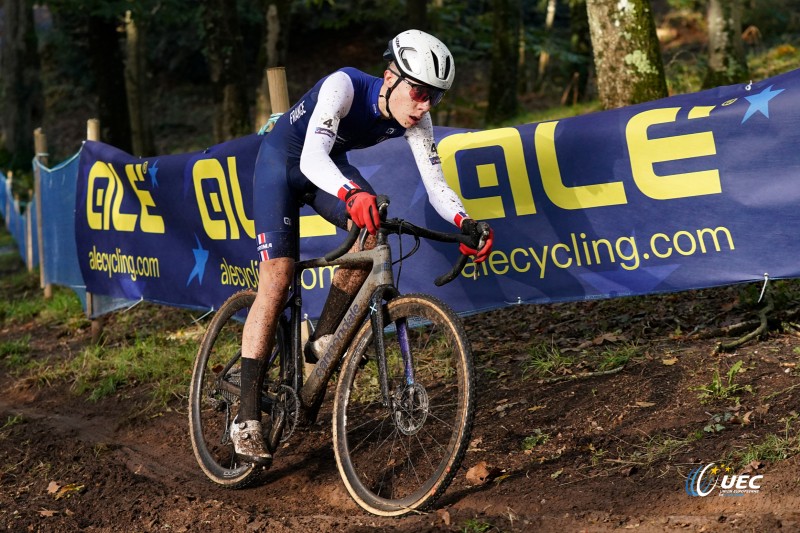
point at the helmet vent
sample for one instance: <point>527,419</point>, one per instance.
<point>438,69</point>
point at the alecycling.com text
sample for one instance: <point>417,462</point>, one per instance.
<point>127,265</point>
<point>579,251</point>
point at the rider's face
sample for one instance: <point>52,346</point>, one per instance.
<point>405,109</point>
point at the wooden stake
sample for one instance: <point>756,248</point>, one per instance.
<point>93,134</point>
<point>278,91</point>
<point>40,144</point>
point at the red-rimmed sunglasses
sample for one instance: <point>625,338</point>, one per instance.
<point>423,93</point>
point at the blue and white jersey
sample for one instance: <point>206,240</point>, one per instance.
<point>361,126</point>
<point>341,113</point>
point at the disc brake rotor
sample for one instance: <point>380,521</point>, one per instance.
<point>410,408</point>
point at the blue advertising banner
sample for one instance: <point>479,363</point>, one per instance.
<point>686,192</point>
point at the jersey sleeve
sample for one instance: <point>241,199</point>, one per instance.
<point>443,199</point>
<point>335,99</point>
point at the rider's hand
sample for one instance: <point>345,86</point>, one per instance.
<point>363,209</point>
<point>481,232</point>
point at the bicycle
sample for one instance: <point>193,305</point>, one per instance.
<point>404,399</point>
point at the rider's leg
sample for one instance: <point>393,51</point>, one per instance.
<point>344,287</point>
<point>257,342</point>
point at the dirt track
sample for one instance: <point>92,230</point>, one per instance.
<point>617,450</point>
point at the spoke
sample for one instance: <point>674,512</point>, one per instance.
<point>410,461</point>
<point>382,418</point>
<point>434,439</point>
<point>377,448</point>
<point>386,470</point>
<point>445,422</point>
<point>425,451</point>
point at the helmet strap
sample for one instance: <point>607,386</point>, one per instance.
<point>389,92</point>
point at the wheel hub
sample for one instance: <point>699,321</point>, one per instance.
<point>410,408</point>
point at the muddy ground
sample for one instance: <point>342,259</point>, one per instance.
<point>571,444</point>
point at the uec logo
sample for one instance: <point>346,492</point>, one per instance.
<point>702,481</point>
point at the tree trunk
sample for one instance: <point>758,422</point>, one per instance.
<point>136,85</point>
<point>727,63</point>
<point>105,58</point>
<point>503,84</point>
<point>581,45</point>
<point>21,89</point>
<point>276,45</point>
<point>627,56</point>
<point>544,57</point>
<point>228,76</point>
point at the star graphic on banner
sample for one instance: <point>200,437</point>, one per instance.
<point>760,102</point>
<point>200,259</point>
<point>153,170</point>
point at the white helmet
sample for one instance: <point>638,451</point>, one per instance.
<point>422,58</point>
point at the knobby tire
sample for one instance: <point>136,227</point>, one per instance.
<point>208,406</point>
<point>394,461</point>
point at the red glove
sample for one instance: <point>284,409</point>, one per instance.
<point>478,231</point>
<point>363,209</point>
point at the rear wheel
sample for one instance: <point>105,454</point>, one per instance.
<point>214,394</point>
<point>399,458</point>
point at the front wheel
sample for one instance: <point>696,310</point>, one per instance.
<point>401,457</point>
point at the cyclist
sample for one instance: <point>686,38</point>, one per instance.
<point>303,160</point>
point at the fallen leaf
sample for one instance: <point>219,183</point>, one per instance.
<point>557,473</point>
<point>499,479</point>
<point>645,404</point>
<point>669,362</point>
<point>478,474</point>
<point>53,487</point>
<point>607,337</point>
<point>47,513</point>
<point>474,445</point>
<point>444,514</point>
<point>752,467</point>
<point>68,490</point>
<point>482,473</point>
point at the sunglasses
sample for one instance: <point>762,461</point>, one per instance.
<point>423,93</point>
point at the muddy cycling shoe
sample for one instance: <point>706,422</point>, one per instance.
<point>317,348</point>
<point>248,442</point>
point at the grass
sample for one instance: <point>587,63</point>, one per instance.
<point>15,354</point>
<point>723,389</point>
<point>473,525</point>
<point>537,438</point>
<point>774,447</point>
<point>144,346</point>
<point>545,359</point>
<point>657,448</point>
<point>163,364</point>
<point>618,355</point>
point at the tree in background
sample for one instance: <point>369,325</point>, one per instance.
<point>580,45</point>
<point>108,67</point>
<point>727,63</point>
<point>225,53</point>
<point>627,56</point>
<point>503,83</point>
<point>277,15</point>
<point>21,89</point>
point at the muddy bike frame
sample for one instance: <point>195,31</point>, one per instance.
<point>379,287</point>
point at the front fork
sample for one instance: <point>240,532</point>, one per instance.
<point>376,307</point>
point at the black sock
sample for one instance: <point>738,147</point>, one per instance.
<point>252,382</point>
